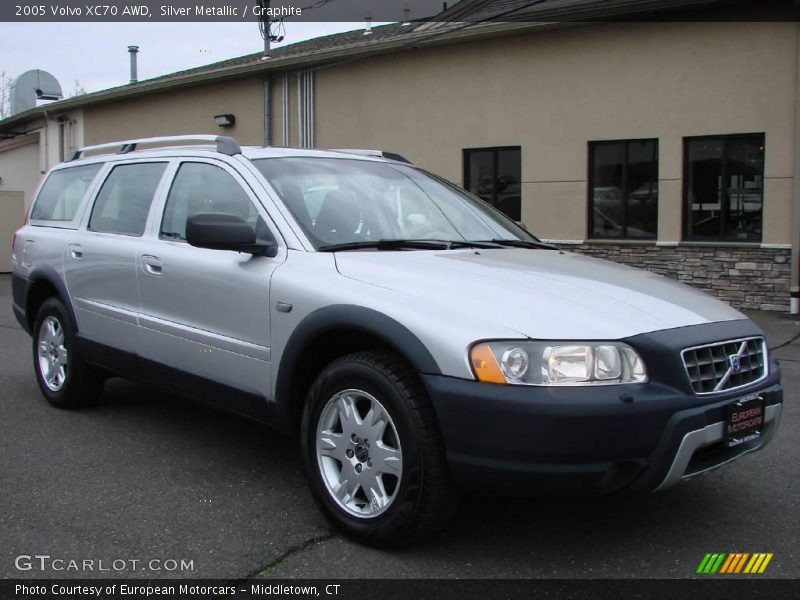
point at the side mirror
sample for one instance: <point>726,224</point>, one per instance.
<point>221,231</point>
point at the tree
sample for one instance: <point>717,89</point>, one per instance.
<point>77,89</point>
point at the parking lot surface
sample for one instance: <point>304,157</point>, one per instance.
<point>148,476</point>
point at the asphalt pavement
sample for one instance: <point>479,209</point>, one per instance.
<point>147,476</point>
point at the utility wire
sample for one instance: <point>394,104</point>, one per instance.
<point>438,34</point>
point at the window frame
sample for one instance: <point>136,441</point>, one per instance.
<point>105,174</point>
<point>86,200</point>
<point>240,178</point>
<point>725,201</point>
<point>495,150</point>
<point>590,189</point>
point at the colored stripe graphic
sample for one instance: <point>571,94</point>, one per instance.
<point>740,564</point>
<point>727,564</point>
<point>755,562</point>
<point>730,564</point>
<point>712,558</point>
<point>703,563</point>
<point>734,563</point>
<point>765,563</point>
<point>711,562</point>
<point>718,563</point>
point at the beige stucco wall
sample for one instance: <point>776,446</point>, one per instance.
<point>23,161</point>
<point>186,111</point>
<point>19,168</point>
<point>553,92</point>
<point>549,92</point>
<point>12,211</point>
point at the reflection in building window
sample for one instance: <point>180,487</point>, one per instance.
<point>723,187</point>
<point>493,174</point>
<point>623,189</point>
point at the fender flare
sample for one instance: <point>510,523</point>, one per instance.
<point>51,276</point>
<point>352,317</point>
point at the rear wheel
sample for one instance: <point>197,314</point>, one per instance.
<point>373,452</point>
<point>63,378</point>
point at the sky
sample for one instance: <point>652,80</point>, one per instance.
<point>96,54</point>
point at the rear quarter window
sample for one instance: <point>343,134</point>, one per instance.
<point>62,193</point>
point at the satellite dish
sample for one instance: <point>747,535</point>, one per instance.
<point>32,86</point>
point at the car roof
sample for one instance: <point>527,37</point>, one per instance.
<point>256,152</point>
<point>201,144</point>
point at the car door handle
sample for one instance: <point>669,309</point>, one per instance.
<point>151,265</point>
<point>75,251</point>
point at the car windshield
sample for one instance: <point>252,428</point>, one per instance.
<point>350,202</point>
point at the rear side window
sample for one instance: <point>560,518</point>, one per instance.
<point>124,200</point>
<point>62,193</point>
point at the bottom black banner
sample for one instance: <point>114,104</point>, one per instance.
<point>386,589</point>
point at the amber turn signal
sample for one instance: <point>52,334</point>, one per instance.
<point>484,364</point>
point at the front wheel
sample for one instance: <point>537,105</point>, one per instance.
<point>373,453</point>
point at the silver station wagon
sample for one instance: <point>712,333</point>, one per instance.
<point>415,340</point>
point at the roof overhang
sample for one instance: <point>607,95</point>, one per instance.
<point>452,34</point>
<point>565,13</point>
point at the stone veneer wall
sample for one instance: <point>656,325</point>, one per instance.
<point>745,277</point>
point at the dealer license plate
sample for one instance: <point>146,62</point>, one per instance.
<point>745,420</point>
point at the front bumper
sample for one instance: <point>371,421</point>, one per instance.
<point>603,439</point>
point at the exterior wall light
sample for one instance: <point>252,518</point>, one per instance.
<point>225,120</point>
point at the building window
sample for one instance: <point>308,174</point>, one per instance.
<point>623,189</point>
<point>493,174</point>
<point>724,187</point>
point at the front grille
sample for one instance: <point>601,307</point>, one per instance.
<point>713,368</point>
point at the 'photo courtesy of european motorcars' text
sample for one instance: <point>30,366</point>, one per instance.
<point>416,341</point>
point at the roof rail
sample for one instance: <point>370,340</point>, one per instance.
<point>225,145</point>
<point>379,153</point>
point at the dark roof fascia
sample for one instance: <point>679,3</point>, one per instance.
<point>400,42</point>
<point>439,32</point>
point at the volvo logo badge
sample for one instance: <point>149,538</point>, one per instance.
<point>735,361</point>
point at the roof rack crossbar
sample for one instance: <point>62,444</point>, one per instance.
<point>225,145</point>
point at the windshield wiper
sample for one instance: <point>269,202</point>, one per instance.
<point>387,245</point>
<point>400,244</point>
<point>524,244</point>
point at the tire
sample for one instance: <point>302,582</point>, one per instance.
<point>64,379</point>
<point>393,489</point>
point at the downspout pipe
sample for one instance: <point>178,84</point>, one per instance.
<point>794,290</point>
<point>311,140</point>
<point>285,108</point>
<point>267,111</point>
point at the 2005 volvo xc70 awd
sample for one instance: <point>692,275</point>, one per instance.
<point>414,338</point>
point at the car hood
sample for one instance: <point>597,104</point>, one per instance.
<point>543,294</point>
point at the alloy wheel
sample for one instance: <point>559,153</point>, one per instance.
<point>53,357</point>
<point>358,453</point>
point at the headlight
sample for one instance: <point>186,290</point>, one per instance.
<point>548,363</point>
